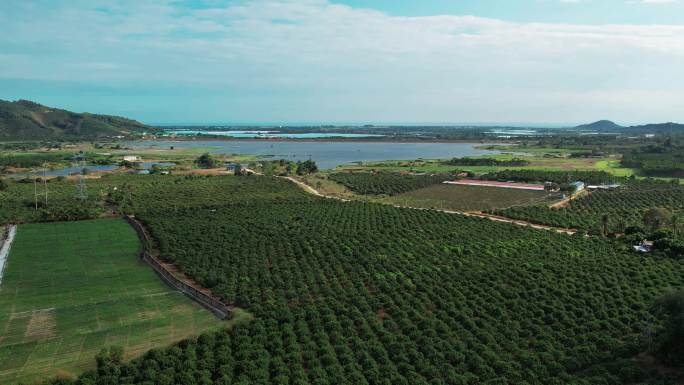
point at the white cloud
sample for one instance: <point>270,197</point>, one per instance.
<point>309,59</point>
<point>659,1</point>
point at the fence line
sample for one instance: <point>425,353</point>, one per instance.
<point>210,303</point>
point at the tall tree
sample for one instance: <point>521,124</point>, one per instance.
<point>655,218</point>
<point>605,223</point>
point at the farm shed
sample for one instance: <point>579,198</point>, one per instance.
<point>579,186</point>
<point>603,187</point>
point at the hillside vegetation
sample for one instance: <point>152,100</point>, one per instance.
<point>26,120</point>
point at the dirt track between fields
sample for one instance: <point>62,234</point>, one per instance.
<point>491,217</point>
<point>5,244</point>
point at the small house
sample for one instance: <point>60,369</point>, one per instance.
<point>644,247</point>
<point>131,158</point>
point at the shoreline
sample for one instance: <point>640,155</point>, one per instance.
<point>321,140</point>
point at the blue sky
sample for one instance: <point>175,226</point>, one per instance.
<point>316,61</point>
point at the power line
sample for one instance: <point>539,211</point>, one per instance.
<point>81,188</point>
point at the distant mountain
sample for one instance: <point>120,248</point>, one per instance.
<point>659,127</point>
<point>601,125</point>
<point>26,120</point>
<point>607,125</point>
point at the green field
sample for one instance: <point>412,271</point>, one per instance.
<point>542,160</point>
<point>71,288</point>
<point>469,198</point>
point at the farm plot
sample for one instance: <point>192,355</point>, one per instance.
<point>71,288</point>
<point>469,198</point>
<point>622,207</point>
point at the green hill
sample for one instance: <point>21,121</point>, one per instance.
<point>600,125</point>
<point>26,120</point>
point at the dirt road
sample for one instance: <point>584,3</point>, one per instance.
<point>491,217</point>
<point>5,247</point>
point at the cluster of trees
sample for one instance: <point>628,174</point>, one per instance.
<point>606,211</point>
<point>487,162</point>
<point>384,183</point>
<point>664,160</point>
<point>359,293</point>
<point>559,177</point>
<point>206,160</point>
<point>18,201</point>
<point>669,342</point>
<point>306,167</point>
<point>29,160</point>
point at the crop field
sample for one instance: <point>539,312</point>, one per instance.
<point>623,206</point>
<point>72,288</point>
<point>543,160</point>
<point>469,198</point>
<point>362,293</point>
<point>359,293</point>
<point>385,183</point>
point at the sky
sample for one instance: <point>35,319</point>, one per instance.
<point>348,61</point>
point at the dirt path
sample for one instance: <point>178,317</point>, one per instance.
<point>307,188</point>
<point>5,248</point>
<point>566,201</point>
<point>491,217</point>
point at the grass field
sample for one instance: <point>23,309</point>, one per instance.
<point>468,198</point>
<point>71,288</point>
<point>541,160</point>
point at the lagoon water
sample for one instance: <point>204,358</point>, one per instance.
<point>66,171</point>
<point>271,134</point>
<point>326,154</point>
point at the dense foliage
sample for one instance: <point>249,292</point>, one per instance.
<point>206,160</point>
<point>670,341</point>
<point>358,293</point>
<point>26,120</point>
<point>306,167</point>
<point>624,207</point>
<point>662,161</point>
<point>18,201</point>
<point>559,177</point>
<point>385,183</point>
<point>487,162</point>
<point>32,159</point>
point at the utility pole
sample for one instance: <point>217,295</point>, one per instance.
<point>37,194</point>
<point>81,188</point>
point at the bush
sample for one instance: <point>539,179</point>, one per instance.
<point>670,344</point>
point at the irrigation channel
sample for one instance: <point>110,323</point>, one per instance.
<point>177,279</point>
<point>6,239</point>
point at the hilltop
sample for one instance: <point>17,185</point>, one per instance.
<point>600,125</point>
<point>607,125</point>
<point>26,120</point>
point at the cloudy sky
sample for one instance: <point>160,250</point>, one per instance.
<point>353,61</point>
